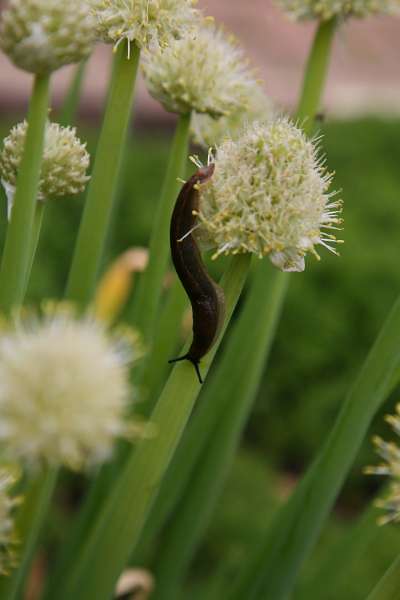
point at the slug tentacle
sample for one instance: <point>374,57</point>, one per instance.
<point>206,297</point>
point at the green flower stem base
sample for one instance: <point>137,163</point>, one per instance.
<point>315,75</point>
<point>203,460</point>
<point>101,191</point>
<point>70,105</point>
<point>150,287</point>
<point>30,519</point>
<point>106,550</point>
<point>389,586</point>
<point>17,251</point>
<point>272,571</point>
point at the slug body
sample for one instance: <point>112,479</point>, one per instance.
<point>206,297</point>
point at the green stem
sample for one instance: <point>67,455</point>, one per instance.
<point>164,346</point>
<point>123,516</point>
<point>388,587</point>
<point>37,227</point>
<point>16,256</point>
<point>150,287</point>
<point>29,523</point>
<point>272,571</point>
<point>70,105</point>
<point>102,186</point>
<point>315,75</point>
<point>209,446</point>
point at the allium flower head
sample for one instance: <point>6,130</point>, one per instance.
<point>7,532</point>
<point>208,131</point>
<point>144,22</point>
<point>390,454</point>
<point>326,9</point>
<point>64,389</point>
<point>64,166</point>
<point>269,196</point>
<point>205,72</point>
<point>41,36</point>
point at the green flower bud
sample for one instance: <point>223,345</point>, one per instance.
<point>41,36</point>
<point>64,167</point>
<point>143,22</point>
<point>205,72</point>
<point>269,196</point>
<point>64,389</point>
<point>326,9</point>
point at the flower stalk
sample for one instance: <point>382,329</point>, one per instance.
<point>17,250</point>
<point>150,287</point>
<point>102,187</point>
<point>315,75</point>
<point>388,587</point>
<point>126,507</point>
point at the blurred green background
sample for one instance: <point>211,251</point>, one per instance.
<point>332,314</point>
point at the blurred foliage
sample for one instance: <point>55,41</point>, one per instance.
<point>333,312</point>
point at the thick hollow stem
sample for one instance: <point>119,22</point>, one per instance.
<point>102,187</point>
<point>315,75</point>
<point>70,105</point>
<point>95,569</point>
<point>17,251</point>
<point>150,287</point>
<point>388,587</point>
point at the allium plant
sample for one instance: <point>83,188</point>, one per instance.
<point>66,386</point>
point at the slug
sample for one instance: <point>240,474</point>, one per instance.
<point>206,297</point>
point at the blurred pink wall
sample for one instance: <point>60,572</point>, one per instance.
<point>364,75</point>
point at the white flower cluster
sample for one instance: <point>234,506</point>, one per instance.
<point>143,22</point>
<point>390,453</point>
<point>64,390</point>
<point>41,36</point>
<point>205,72</point>
<point>7,532</point>
<point>326,9</point>
<point>269,196</point>
<point>208,131</point>
<point>64,167</point>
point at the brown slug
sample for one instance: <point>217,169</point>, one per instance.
<point>206,297</point>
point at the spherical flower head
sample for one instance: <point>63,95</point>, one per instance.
<point>205,72</point>
<point>64,167</point>
<point>143,22</point>
<point>268,196</point>
<point>323,10</point>
<point>208,131</point>
<point>7,530</point>
<point>390,454</point>
<point>41,36</point>
<point>64,389</point>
